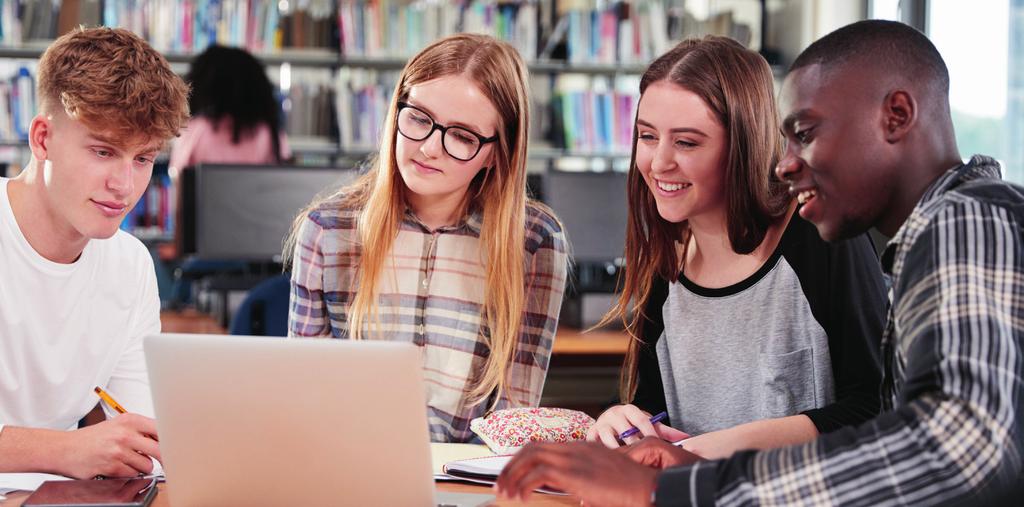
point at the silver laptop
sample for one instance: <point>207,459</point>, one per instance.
<point>268,421</point>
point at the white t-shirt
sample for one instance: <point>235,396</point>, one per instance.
<point>66,328</point>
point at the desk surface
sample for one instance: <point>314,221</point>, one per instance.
<point>15,499</point>
<point>568,341</point>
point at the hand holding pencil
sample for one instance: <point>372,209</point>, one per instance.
<point>118,447</point>
<point>109,400</point>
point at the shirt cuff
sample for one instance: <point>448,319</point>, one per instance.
<point>687,486</point>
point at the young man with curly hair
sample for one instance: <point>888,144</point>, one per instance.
<point>77,295</point>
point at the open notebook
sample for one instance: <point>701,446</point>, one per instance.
<point>443,453</point>
<point>484,471</point>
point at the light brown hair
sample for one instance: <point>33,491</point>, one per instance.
<point>113,82</point>
<point>498,193</point>
<point>736,84</point>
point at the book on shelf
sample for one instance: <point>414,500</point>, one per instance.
<point>17,100</point>
<point>399,29</point>
<point>153,214</point>
<point>361,102</point>
<point>595,113</point>
<point>615,32</point>
<point>309,104</point>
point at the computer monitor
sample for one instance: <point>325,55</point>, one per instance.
<point>593,210</point>
<point>244,212</point>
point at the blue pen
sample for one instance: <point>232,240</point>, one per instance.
<point>634,430</point>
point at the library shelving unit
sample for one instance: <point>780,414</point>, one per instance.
<point>300,38</point>
<point>584,57</point>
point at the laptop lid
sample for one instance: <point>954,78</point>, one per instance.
<point>270,421</point>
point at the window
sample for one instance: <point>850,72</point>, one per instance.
<point>974,40</point>
<point>982,43</point>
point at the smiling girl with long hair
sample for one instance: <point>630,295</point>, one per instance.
<point>748,329</point>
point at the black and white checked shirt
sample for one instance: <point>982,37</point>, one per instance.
<point>952,427</point>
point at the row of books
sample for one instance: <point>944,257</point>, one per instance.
<point>594,114</point>
<point>361,102</point>
<point>581,31</point>
<point>591,114</point>
<point>22,20</point>
<point>586,31</point>
<point>308,104</point>
<point>154,214</point>
<point>398,29</point>
<point>178,25</point>
<point>584,113</point>
<point>17,101</point>
<point>621,32</point>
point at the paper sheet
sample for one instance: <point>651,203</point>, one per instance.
<point>443,453</point>
<point>482,466</point>
<point>486,471</point>
<point>26,482</point>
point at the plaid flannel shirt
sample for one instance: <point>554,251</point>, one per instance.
<point>431,294</point>
<point>951,430</point>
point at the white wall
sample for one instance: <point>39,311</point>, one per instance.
<point>795,24</point>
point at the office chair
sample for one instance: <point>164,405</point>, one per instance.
<point>264,312</point>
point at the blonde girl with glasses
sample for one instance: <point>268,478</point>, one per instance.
<point>437,244</point>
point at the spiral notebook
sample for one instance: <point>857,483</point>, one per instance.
<point>484,471</point>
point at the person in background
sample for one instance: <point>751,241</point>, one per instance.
<point>236,118</point>
<point>438,244</point>
<point>77,294</point>
<point>749,330</point>
<point>871,143</point>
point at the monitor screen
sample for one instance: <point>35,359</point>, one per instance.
<point>593,209</point>
<point>245,212</point>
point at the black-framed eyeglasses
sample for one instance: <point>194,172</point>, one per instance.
<point>458,142</point>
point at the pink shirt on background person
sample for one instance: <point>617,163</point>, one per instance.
<point>201,143</point>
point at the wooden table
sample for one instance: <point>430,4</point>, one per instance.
<point>575,342</point>
<point>568,341</point>
<point>15,499</point>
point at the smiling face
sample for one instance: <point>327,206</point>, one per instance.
<point>91,181</point>
<point>428,171</point>
<point>681,151</point>
<point>836,154</point>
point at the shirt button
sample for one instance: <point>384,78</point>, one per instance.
<point>425,283</point>
<point>422,329</point>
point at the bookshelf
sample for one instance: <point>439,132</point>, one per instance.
<point>535,66</point>
<point>336,61</point>
<point>601,40</point>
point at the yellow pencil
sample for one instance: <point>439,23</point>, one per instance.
<point>110,401</point>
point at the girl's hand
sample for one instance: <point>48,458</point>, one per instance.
<point>616,420</point>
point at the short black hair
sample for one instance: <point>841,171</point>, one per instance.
<point>890,46</point>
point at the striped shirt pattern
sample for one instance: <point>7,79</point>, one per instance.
<point>431,294</point>
<point>951,430</point>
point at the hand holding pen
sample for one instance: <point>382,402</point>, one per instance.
<point>626,424</point>
<point>634,430</point>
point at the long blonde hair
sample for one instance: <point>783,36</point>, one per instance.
<point>498,193</point>
<point>736,84</point>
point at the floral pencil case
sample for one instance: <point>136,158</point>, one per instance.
<point>506,431</point>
